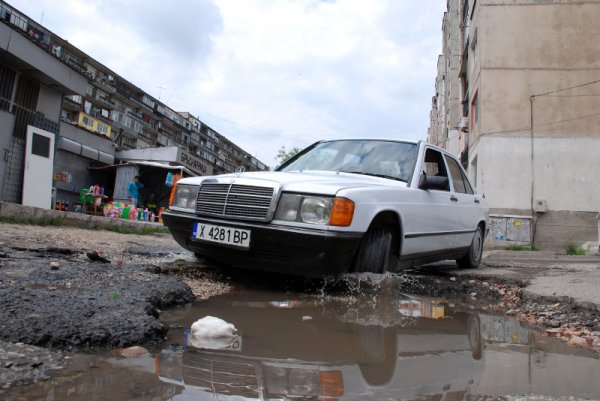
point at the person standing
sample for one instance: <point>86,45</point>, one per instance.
<point>133,190</point>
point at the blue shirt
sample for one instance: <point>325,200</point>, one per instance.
<point>133,189</point>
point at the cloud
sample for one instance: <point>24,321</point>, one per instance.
<point>269,73</point>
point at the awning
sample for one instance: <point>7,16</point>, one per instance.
<point>147,163</point>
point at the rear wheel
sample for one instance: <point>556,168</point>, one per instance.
<point>376,251</point>
<point>473,257</point>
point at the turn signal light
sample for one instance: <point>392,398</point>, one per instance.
<point>332,383</point>
<point>173,191</point>
<point>342,212</point>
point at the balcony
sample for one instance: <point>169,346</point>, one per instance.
<point>70,104</point>
<point>102,83</point>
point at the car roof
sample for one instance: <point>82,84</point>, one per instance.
<point>371,139</point>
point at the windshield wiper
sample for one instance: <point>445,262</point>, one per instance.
<point>391,177</point>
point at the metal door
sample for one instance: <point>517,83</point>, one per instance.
<point>39,161</point>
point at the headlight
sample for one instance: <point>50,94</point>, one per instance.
<point>304,209</point>
<point>185,197</point>
<point>315,210</point>
<point>310,209</point>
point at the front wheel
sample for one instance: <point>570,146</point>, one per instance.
<point>375,253</point>
<point>473,257</point>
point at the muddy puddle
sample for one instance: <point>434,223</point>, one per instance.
<point>371,346</point>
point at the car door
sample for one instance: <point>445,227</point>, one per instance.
<point>466,203</point>
<point>431,223</point>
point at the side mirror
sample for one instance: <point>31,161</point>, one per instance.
<point>433,182</point>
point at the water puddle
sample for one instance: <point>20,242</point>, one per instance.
<point>370,346</point>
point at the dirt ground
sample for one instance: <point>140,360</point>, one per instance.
<point>68,289</point>
<point>72,289</point>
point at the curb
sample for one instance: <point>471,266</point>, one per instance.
<point>34,215</point>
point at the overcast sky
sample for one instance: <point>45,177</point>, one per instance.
<point>267,73</point>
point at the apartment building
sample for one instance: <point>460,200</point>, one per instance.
<point>102,128</point>
<point>529,121</point>
<point>446,124</point>
<point>99,119</point>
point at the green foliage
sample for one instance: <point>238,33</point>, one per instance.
<point>123,229</point>
<point>284,155</point>
<point>33,221</point>
<point>575,250</point>
<point>515,247</point>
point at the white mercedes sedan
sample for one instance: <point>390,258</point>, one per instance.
<point>336,207</point>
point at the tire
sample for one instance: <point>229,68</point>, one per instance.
<point>473,257</point>
<point>475,339</point>
<point>375,253</point>
<point>376,353</point>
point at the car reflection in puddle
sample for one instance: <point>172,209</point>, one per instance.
<point>331,347</point>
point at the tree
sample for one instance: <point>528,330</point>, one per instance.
<point>284,155</point>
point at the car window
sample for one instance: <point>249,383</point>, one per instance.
<point>387,159</point>
<point>468,186</point>
<point>461,185</point>
<point>434,164</point>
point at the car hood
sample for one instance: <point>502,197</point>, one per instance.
<point>318,182</point>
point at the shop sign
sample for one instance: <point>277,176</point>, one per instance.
<point>194,164</point>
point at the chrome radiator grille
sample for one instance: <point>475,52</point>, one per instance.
<point>227,377</point>
<point>235,200</point>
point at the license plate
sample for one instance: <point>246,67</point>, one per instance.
<point>222,235</point>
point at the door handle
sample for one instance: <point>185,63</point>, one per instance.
<point>453,198</point>
<point>476,200</point>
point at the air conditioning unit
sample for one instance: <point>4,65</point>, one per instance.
<point>463,122</point>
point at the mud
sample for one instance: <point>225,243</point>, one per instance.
<point>572,322</point>
<point>21,363</point>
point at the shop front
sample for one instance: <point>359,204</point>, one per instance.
<point>158,169</point>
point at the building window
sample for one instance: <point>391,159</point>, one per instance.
<point>475,110</point>
<point>88,121</point>
<point>18,21</point>
<point>103,129</point>
<point>148,102</point>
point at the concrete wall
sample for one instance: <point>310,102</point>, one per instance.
<point>557,229</point>
<point>563,180</point>
<point>529,48</point>
<point>167,154</point>
<point>72,219</point>
<point>561,169</point>
<point>77,167</point>
<point>7,121</point>
<point>45,68</point>
<point>49,102</point>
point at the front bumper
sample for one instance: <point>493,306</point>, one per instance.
<point>280,249</point>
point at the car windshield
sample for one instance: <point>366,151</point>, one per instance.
<point>387,159</point>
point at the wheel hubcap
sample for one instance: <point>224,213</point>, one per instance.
<point>477,246</point>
